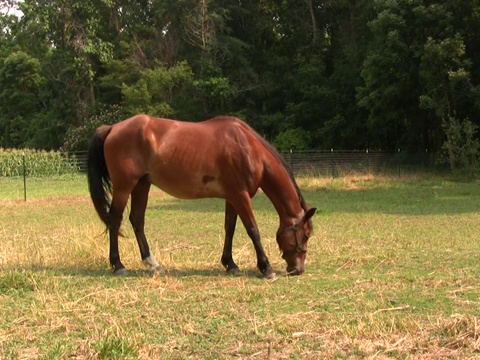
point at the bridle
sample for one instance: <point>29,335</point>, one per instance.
<point>300,246</point>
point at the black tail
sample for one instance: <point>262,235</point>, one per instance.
<point>99,182</point>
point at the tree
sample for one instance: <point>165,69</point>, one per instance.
<point>461,147</point>
<point>347,35</point>
<point>382,74</point>
<point>80,44</point>
<point>387,75</point>
<point>160,91</point>
<point>21,93</point>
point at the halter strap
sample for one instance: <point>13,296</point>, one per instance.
<point>300,246</point>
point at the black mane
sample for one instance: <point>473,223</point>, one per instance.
<point>282,161</point>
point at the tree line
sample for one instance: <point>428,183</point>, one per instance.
<point>307,74</point>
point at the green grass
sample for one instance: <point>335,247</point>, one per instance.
<point>39,188</point>
<point>393,271</point>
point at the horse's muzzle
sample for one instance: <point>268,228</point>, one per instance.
<point>293,271</point>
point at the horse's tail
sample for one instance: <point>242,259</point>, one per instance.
<point>99,182</point>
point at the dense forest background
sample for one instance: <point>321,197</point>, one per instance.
<point>307,74</point>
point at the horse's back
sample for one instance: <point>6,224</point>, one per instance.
<point>212,158</point>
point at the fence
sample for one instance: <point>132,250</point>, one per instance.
<point>317,163</point>
<point>338,163</point>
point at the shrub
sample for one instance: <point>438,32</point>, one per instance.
<point>292,139</point>
<point>461,147</point>
<point>77,138</point>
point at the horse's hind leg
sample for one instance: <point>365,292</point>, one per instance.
<point>119,201</point>
<point>230,222</point>
<point>137,219</point>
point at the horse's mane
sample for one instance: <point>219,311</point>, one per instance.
<point>274,152</point>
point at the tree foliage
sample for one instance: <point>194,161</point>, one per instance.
<point>461,147</point>
<point>381,74</point>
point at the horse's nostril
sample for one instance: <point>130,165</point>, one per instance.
<point>294,271</point>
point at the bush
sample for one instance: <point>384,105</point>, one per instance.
<point>77,138</point>
<point>37,163</point>
<point>461,147</point>
<point>292,139</point>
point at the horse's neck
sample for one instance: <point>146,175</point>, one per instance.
<point>281,191</point>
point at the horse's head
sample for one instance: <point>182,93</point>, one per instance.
<point>292,241</point>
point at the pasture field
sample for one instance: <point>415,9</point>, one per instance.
<point>393,272</point>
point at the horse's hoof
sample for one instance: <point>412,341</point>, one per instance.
<point>157,271</point>
<point>233,271</point>
<point>271,276</point>
<point>121,272</point>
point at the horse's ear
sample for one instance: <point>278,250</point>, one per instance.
<point>309,214</point>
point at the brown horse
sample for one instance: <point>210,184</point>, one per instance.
<point>219,158</point>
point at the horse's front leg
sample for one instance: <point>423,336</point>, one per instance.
<point>230,223</point>
<point>262,261</point>
<point>243,205</point>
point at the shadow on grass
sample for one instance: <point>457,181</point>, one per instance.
<point>194,272</point>
<point>133,273</point>
<point>408,198</point>
<point>63,271</point>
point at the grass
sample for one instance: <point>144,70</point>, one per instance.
<point>393,272</point>
<point>13,189</point>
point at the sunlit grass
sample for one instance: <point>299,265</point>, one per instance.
<point>393,271</point>
<point>16,189</point>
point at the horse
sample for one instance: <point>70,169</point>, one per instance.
<point>221,158</point>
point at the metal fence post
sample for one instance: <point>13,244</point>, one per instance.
<point>291,159</point>
<point>333,165</point>
<point>24,178</point>
<point>398,164</point>
<point>368,161</point>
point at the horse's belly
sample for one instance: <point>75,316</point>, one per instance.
<point>192,187</point>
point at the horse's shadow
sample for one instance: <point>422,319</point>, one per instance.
<point>139,273</point>
<point>208,273</point>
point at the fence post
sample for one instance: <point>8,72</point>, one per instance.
<point>291,160</point>
<point>333,165</point>
<point>368,161</point>
<point>24,178</point>
<point>398,164</point>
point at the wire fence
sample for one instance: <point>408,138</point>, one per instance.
<point>317,163</point>
<point>313,163</point>
<point>336,163</point>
